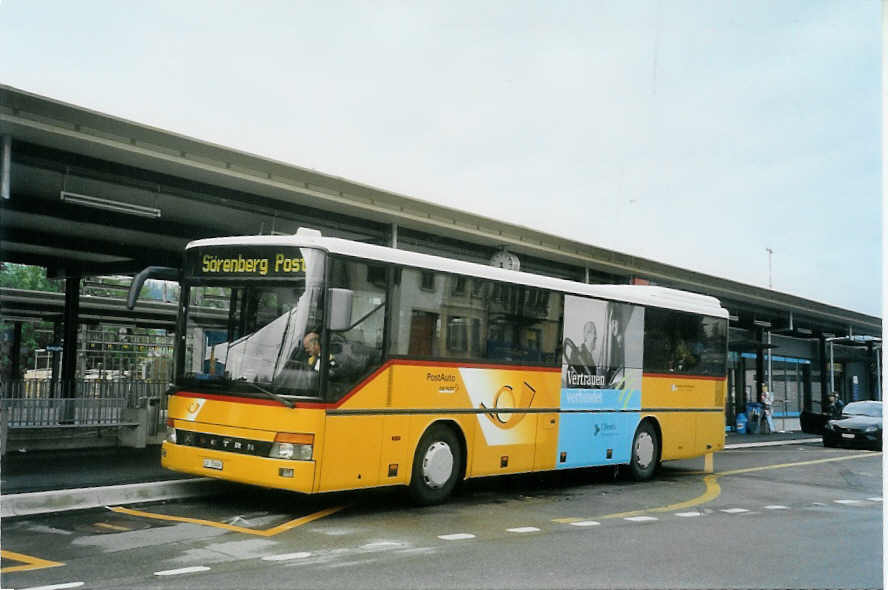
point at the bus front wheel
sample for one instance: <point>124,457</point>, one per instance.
<point>645,452</point>
<point>436,465</point>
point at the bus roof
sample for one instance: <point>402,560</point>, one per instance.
<point>638,294</point>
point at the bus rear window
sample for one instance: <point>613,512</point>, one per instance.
<point>684,343</point>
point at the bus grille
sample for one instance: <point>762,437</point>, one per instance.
<point>230,444</point>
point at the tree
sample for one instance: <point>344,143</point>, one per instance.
<point>23,276</point>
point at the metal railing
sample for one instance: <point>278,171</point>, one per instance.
<point>74,411</point>
<point>39,403</point>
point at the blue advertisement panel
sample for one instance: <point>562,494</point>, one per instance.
<point>590,439</point>
<point>600,382</point>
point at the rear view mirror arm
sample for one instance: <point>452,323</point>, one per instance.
<point>165,273</point>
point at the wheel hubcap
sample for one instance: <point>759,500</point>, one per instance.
<point>437,465</point>
<point>644,449</point>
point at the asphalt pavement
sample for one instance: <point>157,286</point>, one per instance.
<point>50,481</point>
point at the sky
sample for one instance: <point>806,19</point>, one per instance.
<point>697,134</point>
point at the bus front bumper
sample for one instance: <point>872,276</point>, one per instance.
<point>297,476</point>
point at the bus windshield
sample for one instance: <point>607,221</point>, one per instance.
<point>253,335</point>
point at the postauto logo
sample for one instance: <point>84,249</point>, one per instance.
<point>507,399</point>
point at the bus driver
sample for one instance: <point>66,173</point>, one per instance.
<point>312,345</point>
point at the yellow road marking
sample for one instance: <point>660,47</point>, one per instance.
<point>713,490</point>
<point>799,464</point>
<point>113,527</point>
<point>31,562</point>
<point>221,525</point>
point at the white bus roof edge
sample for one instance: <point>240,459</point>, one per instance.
<point>638,294</point>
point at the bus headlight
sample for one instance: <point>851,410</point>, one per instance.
<point>291,451</point>
<point>294,447</point>
<point>171,431</point>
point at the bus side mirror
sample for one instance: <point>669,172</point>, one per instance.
<point>339,309</point>
<point>152,272</point>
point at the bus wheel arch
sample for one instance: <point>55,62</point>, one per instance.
<point>647,449</point>
<point>439,463</point>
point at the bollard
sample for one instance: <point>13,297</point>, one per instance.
<point>153,406</point>
<point>708,463</point>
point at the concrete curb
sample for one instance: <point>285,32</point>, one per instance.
<point>81,498</point>
<point>772,443</point>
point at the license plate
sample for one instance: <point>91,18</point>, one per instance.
<point>844,435</point>
<point>213,464</point>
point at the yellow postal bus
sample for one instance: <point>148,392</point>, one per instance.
<point>315,364</point>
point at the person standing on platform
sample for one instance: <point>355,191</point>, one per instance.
<point>767,399</point>
<point>835,407</point>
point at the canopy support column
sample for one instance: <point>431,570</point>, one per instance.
<point>69,355</point>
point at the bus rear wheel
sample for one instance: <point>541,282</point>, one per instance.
<point>437,465</point>
<point>645,452</point>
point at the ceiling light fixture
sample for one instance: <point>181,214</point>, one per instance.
<point>109,205</point>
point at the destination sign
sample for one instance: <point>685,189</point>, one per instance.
<point>245,261</point>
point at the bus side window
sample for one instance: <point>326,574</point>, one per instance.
<point>356,352</point>
<point>436,315</point>
<point>683,343</point>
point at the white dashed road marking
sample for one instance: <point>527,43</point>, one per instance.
<point>586,523</point>
<point>847,501</point>
<point>874,499</point>
<point>774,443</point>
<point>56,586</point>
<point>382,545</point>
<point>641,518</point>
<point>183,570</point>
<point>734,510</point>
<point>687,514</point>
<point>286,556</point>
<point>776,507</point>
<point>524,529</point>
<point>456,536</point>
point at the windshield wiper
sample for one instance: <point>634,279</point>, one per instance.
<point>270,394</point>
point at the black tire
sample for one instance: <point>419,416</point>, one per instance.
<point>437,465</point>
<point>829,441</point>
<point>645,452</point>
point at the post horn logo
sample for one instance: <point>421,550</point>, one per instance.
<point>505,411</point>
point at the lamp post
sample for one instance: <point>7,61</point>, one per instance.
<point>770,252</point>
